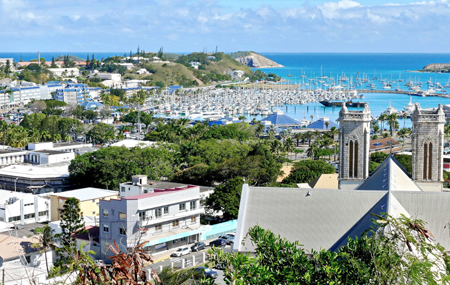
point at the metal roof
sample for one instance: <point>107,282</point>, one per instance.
<point>279,118</point>
<point>321,124</point>
<point>89,193</point>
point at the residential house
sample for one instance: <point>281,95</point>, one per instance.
<point>89,200</point>
<point>65,72</point>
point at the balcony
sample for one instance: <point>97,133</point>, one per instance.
<point>166,218</point>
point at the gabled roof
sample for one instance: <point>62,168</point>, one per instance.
<point>382,143</point>
<point>390,175</point>
<point>321,218</point>
<point>279,118</point>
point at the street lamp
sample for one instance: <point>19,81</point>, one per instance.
<point>15,185</point>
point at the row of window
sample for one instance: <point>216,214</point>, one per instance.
<point>27,216</point>
<point>158,211</point>
<point>158,227</point>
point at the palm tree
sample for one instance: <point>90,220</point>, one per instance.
<point>382,118</point>
<point>393,123</point>
<point>46,240</point>
<point>312,151</point>
<point>312,117</point>
<point>309,136</point>
<point>45,136</point>
<point>298,137</point>
<point>289,145</point>
<point>57,137</point>
<point>327,124</point>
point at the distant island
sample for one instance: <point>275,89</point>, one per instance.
<point>254,60</point>
<point>436,67</point>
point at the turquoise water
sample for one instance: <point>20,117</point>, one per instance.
<point>386,66</point>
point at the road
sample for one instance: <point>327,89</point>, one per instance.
<point>189,259</point>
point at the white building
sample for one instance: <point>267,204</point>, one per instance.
<point>237,74</point>
<point>65,72</point>
<point>195,64</point>
<point>127,65</point>
<point>116,77</point>
<point>165,218</point>
<point>3,61</point>
<point>23,208</point>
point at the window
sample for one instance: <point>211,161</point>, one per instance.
<point>182,206</point>
<point>43,213</point>
<point>123,231</point>
<point>158,227</point>
<point>122,216</point>
<point>29,216</point>
<point>105,212</point>
<point>12,219</point>
<point>166,210</point>
<point>142,216</point>
<point>175,223</point>
<point>122,189</point>
<point>106,228</point>
<point>158,213</point>
<point>183,239</point>
<point>193,204</point>
<point>193,219</point>
<point>93,200</point>
<point>29,204</point>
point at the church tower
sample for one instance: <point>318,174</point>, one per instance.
<point>354,139</point>
<point>427,147</point>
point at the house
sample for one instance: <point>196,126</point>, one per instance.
<point>237,74</point>
<point>89,200</point>
<point>116,77</point>
<point>23,208</point>
<point>195,64</point>
<point>385,145</point>
<point>90,239</point>
<point>65,72</point>
<point>142,71</point>
<point>127,65</point>
<point>19,259</point>
<point>163,218</point>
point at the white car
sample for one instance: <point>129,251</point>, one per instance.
<point>181,251</point>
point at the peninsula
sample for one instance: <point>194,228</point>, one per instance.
<point>436,67</point>
<point>254,60</point>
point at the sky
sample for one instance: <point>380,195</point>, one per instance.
<point>230,25</point>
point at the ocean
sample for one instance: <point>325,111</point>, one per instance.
<point>388,66</point>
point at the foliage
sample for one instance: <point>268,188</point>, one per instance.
<point>101,133</point>
<point>306,170</point>
<point>226,198</point>
<point>392,251</point>
<point>373,165</point>
<point>108,167</point>
<point>378,156</point>
<point>405,160</point>
<point>71,222</point>
<point>45,241</point>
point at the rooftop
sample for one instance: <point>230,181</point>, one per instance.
<point>84,194</point>
<point>12,247</point>
<point>158,192</point>
<point>37,171</point>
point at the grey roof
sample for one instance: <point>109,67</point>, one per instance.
<point>317,221</point>
<point>390,175</point>
<point>326,218</point>
<point>89,193</point>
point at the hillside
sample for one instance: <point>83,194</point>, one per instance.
<point>436,67</point>
<point>254,60</point>
<point>71,57</point>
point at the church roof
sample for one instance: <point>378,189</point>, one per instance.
<point>326,218</point>
<point>280,119</point>
<point>390,175</point>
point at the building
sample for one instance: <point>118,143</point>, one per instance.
<point>386,145</point>
<point>73,94</point>
<point>427,141</point>
<point>164,218</point>
<point>91,240</point>
<point>195,64</point>
<point>354,139</point>
<point>23,208</point>
<point>237,74</point>
<point>4,61</point>
<point>127,65</point>
<point>36,178</point>
<point>89,201</point>
<point>65,72</point>
<point>326,218</point>
<point>116,77</point>
<point>19,259</point>
<point>323,123</point>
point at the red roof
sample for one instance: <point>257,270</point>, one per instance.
<point>158,192</point>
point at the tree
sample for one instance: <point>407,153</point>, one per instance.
<point>393,123</point>
<point>226,198</point>
<point>392,251</point>
<point>38,106</point>
<point>307,170</point>
<point>72,222</point>
<point>46,240</point>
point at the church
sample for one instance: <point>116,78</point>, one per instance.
<point>325,218</point>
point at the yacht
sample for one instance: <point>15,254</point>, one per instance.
<point>390,110</point>
<point>409,108</point>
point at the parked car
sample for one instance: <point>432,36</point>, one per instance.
<point>206,272</point>
<point>228,239</point>
<point>218,242</point>
<point>198,246</point>
<point>181,251</point>
<point>220,266</point>
<point>231,234</point>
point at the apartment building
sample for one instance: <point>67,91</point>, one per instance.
<point>23,208</point>
<point>164,218</point>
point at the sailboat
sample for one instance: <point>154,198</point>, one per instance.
<point>447,85</point>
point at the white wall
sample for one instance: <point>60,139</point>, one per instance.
<point>27,204</point>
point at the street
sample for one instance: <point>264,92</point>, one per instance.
<point>189,260</point>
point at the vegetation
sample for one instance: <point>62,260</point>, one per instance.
<point>392,251</point>
<point>226,198</point>
<point>307,170</point>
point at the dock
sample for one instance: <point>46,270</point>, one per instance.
<point>412,93</point>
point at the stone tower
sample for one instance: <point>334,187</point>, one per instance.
<point>354,139</point>
<point>427,147</point>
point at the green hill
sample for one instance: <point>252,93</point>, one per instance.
<point>71,58</point>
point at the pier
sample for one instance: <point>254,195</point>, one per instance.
<point>412,93</point>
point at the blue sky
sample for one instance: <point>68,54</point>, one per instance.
<point>258,25</point>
